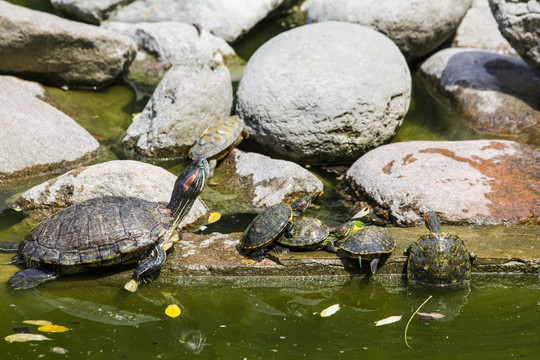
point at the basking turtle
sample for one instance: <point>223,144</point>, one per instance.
<point>107,231</point>
<point>368,243</point>
<point>438,259</point>
<point>258,237</point>
<point>219,139</point>
<point>307,233</point>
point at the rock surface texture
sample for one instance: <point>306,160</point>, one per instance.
<point>62,52</point>
<point>35,137</point>
<point>417,26</point>
<point>498,95</point>
<point>190,97</point>
<point>113,178</point>
<point>91,11</point>
<point>466,182</point>
<point>519,22</point>
<point>324,93</point>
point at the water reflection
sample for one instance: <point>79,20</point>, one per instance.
<point>447,301</point>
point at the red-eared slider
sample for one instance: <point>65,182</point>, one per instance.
<point>307,233</point>
<point>219,139</point>
<point>258,237</point>
<point>108,231</point>
<point>368,243</point>
<point>438,259</point>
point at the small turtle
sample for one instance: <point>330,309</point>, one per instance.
<point>437,258</point>
<point>219,139</point>
<point>307,233</point>
<point>368,243</point>
<point>258,237</point>
<point>107,231</point>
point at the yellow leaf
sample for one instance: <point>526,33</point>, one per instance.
<point>173,311</point>
<point>53,328</point>
<point>25,337</point>
<point>214,216</point>
<point>37,322</point>
<point>248,261</point>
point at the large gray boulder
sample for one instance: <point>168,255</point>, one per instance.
<point>189,98</point>
<point>479,30</point>
<point>416,26</point>
<point>62,52</point>
<point>466,182</point>
<point>164,44</point>
<point>114,178</point>
<point>519,22</point>
<point>91,11</point>
<point>250,181</point>
<point>498,95</point>
<point>224,18</point>
<point>324,93</point>
<point>35,137</point>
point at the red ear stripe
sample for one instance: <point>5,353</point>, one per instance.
<point>189,180</point>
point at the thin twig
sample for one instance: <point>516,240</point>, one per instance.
<point>408,322</point>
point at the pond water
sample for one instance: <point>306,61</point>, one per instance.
<point>496,317</point>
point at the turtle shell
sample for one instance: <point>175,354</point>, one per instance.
<point>266,226</point>
<point>308,232</point>
<point>369,240</point>
<point>438,259</point>
<point>219,139</point>
<point>99,232</point>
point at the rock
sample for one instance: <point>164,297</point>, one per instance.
<point>417,27</point>
<point>164,44</point>
<point>113,178</point>
<point>258,181</point>
<point>324,93</point>
<point>37,138</point>
<point>91,11</point>
<point>62,52</point>
<point>498,95</point>
<point>224,18</point>
<point>519,23</point>
<point>479,30</point>
<point>466,182</point>
<point>190,97</point>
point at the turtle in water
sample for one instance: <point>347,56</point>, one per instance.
<point>219,139</point>
<point>259,236</point>
<point>365,242</point>
<point>107,231</point>
<point>437,258</point>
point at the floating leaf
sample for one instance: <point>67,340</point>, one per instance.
<point>331,310</point>
<point>37,322</point>
<point>388,320</point>
<point>131,285</point>
<point>213,217</point>
<point>25,337</point>
<point>53,328</point>
<point>173,311</point>
<point>432,315</point>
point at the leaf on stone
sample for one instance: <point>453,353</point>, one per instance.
<point>432,315</point>
<point>37,322</point>
<point>24,337</point>
<point>388,320</point>
<point>213,217</point>
<point>173,311</point>
<point>53,328</point>
<point>331,310</point>
<point>248,261</point>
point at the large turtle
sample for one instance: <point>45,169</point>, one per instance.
<point>107,231</point>
<point>438,259</point>
<point>258,237</point>
<point>366,242</point>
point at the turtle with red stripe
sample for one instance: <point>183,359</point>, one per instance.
<point>107,231</point>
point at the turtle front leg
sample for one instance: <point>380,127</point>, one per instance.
<point>32,277</point>
<point>148,268</point>
<point>330,245</point>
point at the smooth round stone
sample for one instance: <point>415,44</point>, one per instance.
<point>324,93</point>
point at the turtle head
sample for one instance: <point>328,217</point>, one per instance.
<point>432,222</point>
<point>187,187</point>
<point>347,229</point>
<point>301,204</point>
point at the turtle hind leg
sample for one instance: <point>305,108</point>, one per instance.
<point>32,277</point>
<point>374,265</point>
<point>148,268</point>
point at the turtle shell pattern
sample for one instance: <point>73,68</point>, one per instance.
<point>99,232</point>
<point>266,226</point>
<point>439,260</point>
<point>218,139</point>
<point>369,240</point>
<point>308,233</point>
